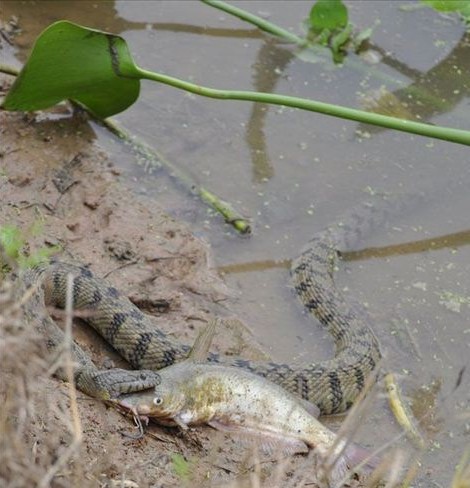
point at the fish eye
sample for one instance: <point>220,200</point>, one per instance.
<point>158,400</point>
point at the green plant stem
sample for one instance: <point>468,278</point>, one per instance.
<point>444,133</point>
<point>257,21</point>
<point>230,215</point>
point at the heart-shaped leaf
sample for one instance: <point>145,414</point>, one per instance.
<point>69,61</point>
<point>328,14</point>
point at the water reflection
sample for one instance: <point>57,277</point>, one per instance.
<point>436,91</point>
<point>451,241</point>
<point>207,31</point>
<point>255,266</point>
<point>271,62</point>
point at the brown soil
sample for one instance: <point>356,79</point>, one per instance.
<point>54,177</point>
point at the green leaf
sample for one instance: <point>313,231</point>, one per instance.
<point>12,240</point>
<point>341,38</point>
<point>462,6</point>
<point>362,36</point>
<point>324,37</point>
<point>68,61</point>
<point>180,466</point>
<point>329,14</point>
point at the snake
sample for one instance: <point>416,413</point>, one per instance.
<point>332,385</point>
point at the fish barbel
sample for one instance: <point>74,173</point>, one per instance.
<point>235,400</point>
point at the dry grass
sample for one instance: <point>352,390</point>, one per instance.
<point>21,365</point>
<point>41,444</point>
<point>462,473</point>
<point>44,446</point>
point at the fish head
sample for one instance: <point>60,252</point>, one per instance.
<point>167,402</point>
<point>160,403</point>
<point>139,403</point>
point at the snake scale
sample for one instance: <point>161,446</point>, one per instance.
<point>332,385</point>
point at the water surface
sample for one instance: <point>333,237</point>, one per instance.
<point>294,172</point>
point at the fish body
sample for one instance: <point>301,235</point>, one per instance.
<point>227,398</point>
<point>195,394</point>
<point>235,400</point>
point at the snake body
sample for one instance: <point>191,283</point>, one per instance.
<point>332,385</point>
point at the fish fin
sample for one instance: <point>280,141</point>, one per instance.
<point>357,455</point>
<point>200,349</point>
<point>353,459</point>
<point>268,442</point>
<point>182,425</point>
<point>311,408</point>
<point>288,447</point>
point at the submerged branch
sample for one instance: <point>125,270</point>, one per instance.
<point>226,210</point>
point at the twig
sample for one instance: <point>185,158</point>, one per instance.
<point>348,430</point>
<point>69,366</point>
<point>411,474</point>
<point>230,215</point>
<point>411,338</point>
<point>388,465</point>
<point>9,70</point>
<point>401,411</point>
<point>395,469</point>
<point>76,423</point>
<point>125,265</point>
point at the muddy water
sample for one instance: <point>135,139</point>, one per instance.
<point>294,172</point>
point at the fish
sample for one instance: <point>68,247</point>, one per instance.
<point>230,399</point>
